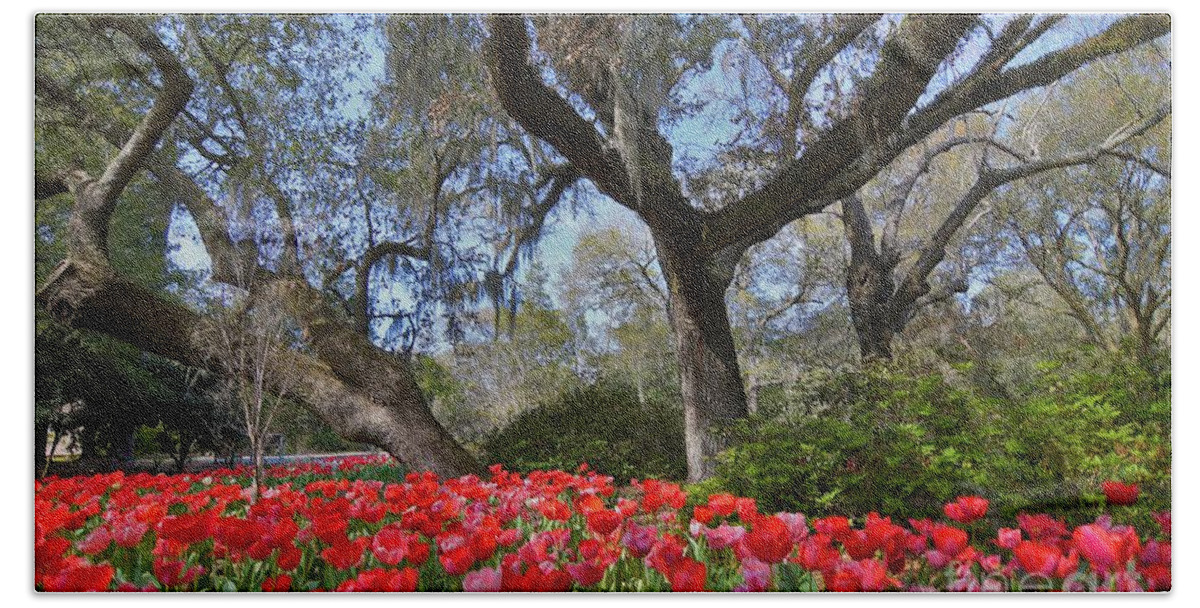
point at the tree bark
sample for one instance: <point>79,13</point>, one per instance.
<point>710,378</point>
<point>868,291</point>
<point>870,286</point>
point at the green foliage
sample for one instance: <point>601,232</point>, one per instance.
<point>905,444</point>
<point>871,440</point>
<point>102,391</point>
<point>1078,423</point>
<point>306,433</point>
<point>603,425</point>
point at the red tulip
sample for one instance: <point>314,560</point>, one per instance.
<point>1067,565</point>
<point>688,575</point>
<point>171,573</point>
<point>949,540</point>
<point>1107,550</point>
<point>967,509</point>
<point>1164,521</point>
<point>747,510</point>
<point>457,561</point>
<point>1008,537</point>
<point>390,544</point>
<point>603,522</point>
<point>586,573</point>
<point>83,577</point>
<point>237,533</point>
<point>282,582</point>
<point>345,554</point>
<point>769,540</point>
<point>1042,527</point>
<point>483,580</point>
<point>872,575</point>
<point>97,541</point>
<point>589,503</point>
<point>1156,576</point>
<point>187,529</point>
<point>289,557</point>
<point>1118,493</point>
<point>1036,558</point>
<point>379,579</point>
<point>844,581</point>
<point>817,553</point>
<point>722,504</point>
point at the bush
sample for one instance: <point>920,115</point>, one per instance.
<point>885,441</point>
<point>1076,425</point>
<point>603,425</point>
<point>879,442</point>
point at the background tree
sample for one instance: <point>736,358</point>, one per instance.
<point>619,75</point>
<point>619,304</point>
<point>883,297</point>
<point>1100,236</point>
<point>783,296</point>
<point>245,338</point>
<point>97,393</point>
<point>531,361</point>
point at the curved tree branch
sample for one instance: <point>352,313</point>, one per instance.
<point>915,282</point>
<point>819,179</point>
<point>89,224</point>
<point>908,61</point>
<point>989,84</point>
<point>546,115</point>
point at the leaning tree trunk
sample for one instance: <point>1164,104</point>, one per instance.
<point>381,407</point>
<point>378,403</point>
<point>710,379</point>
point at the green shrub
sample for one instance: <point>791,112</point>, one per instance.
<point>1078,424</point>
<point>603,425</point>
<point>880,440</point>
<point>877,441</point>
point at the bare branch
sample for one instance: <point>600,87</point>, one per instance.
<point>991,85</point>
<point>47,184</point>
<point>914,284</point>
<point>808,67</point>
<point>1140,160</point>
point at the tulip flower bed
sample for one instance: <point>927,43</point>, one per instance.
<point>318,527</point>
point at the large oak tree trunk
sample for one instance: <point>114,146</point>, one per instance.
<point>364,394</point>
<point>711,381</point>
